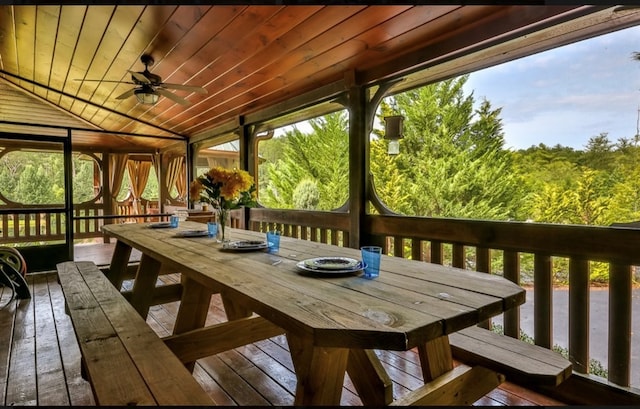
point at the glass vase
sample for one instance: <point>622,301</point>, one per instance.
<point>223,216</point>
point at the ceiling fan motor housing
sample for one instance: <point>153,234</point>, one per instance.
<point>153,78</point>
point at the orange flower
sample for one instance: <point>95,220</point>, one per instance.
<point>195,188</point>
<point>224,188</point>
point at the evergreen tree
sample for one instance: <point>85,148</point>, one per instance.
<point>306,195</point>
<point>321,156</point>
<point>452,162</point>
<point>599,153</point>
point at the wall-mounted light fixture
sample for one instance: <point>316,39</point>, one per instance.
<point>393,133</point>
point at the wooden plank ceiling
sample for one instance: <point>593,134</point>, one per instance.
<point>250,57</point>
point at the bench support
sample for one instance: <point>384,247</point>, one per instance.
<point>463,385</point>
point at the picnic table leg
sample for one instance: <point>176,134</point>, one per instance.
<point>435,358</point>
<point>319,370</point>
<point>119,262</point>
<point>373,384</point>
<point>193,310</point>
<point>233,310</point>
<point>145,284</point>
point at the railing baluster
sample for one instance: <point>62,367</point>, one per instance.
<point>458,256</point>
<point>87,222</point>
<point>512,272</point>
<point>5,226</point>
<point>483,259</point>
<point>620,286</point>
<point>27,226</point>
<point>47,224</point>
<point>76,222</point>
<point>579,313</point>
<point>97,222</point>
<point>436,252</point>
<point>398,248</point>
<point>59,223</point>
<point>36,219</point>
<point>416,249</point>
<point>542,304</point>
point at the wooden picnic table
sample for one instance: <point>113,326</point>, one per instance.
<point>332,322</point>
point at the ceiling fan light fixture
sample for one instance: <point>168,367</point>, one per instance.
<point>148,97</point>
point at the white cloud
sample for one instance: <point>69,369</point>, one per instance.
<point>567,95</point>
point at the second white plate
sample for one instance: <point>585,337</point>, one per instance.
<point>245,245</point>
<point>359,266</point>
<point>331,263</point>
<point>160,225</point>
<point>192,233</point>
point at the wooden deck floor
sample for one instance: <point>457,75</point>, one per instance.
<point>40,360</point>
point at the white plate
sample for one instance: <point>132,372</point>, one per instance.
<point>160,225</point>
<point>245,245</point>
<point>331,263</point>
<point>360,266</point>
<point>192,233</point>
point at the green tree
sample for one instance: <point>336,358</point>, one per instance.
<point>452,162</point>
<point>599,153</point>
<point>321,156</point>
<point>388,181</point>
<point>36,187</point>
<point>82,179</point>
<point>306,195</point>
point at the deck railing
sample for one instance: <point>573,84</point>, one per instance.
<point>473,244</point>
<point>46,225</point>
<point>486,246</point>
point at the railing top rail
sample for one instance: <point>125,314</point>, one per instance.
<point>598,243</point>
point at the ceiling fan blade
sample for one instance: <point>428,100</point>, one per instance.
<point>126,95</point>
<point>116,82</point>
<point>625,8</point>
<point>140,77</point>
<point>172,96</point>
<point>191,88</point>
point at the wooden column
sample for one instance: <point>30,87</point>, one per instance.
<point>107,203</point>
<point>358,159</point>
<point>247,159</point>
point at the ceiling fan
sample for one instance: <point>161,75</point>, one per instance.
<point>149,86</point>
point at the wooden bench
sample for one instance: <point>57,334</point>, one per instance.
<point>122,357</point>
<point>519,361</point>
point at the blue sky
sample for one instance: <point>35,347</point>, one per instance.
<point>567,95</point>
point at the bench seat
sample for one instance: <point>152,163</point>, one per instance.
<point>519,361</point>
<point>124,360</point>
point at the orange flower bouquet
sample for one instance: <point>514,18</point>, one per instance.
<point>224,189</point>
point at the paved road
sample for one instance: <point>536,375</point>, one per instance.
<point>598,335</point>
